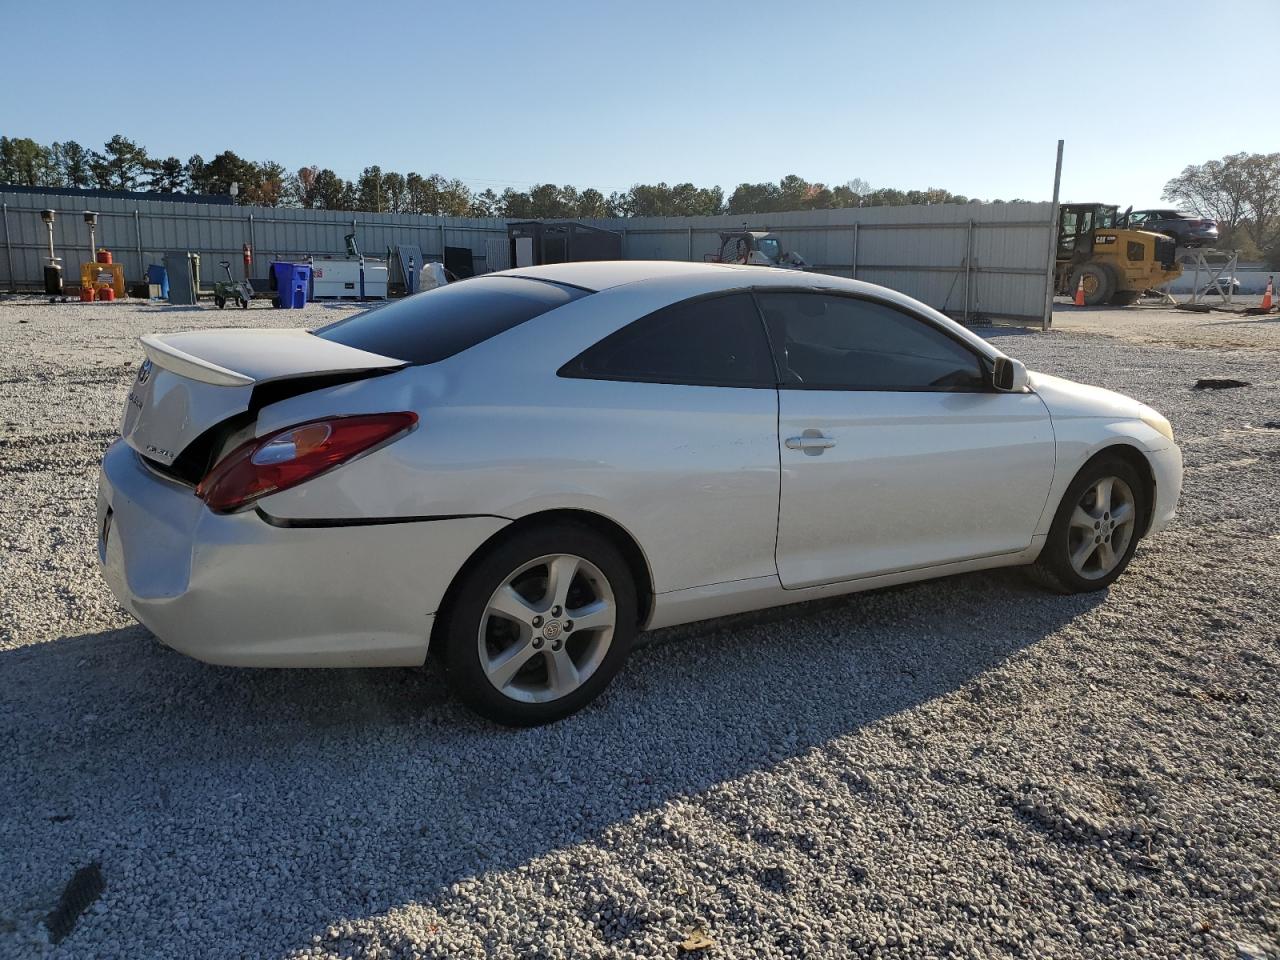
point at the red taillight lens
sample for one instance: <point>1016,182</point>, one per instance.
<point>296,454</point>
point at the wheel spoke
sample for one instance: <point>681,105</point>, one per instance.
<point>1106,557</point>
<point>509,604</point>
<point>594,616</point>
<point>1122,514</point>
<point>560,574</point>
<point>1102,502</point>
<point>502,670</point>
<point>1082,553</point>
<point>562,675</point>
<point>1081,518</point>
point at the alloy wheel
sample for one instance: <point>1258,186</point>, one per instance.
<point>547,628</point>
<point>1101,528</point>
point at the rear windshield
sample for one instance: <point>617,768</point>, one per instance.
<point>437,324</point>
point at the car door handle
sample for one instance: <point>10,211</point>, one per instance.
<point>810,444</point>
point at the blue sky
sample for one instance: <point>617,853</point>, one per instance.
<point>970,96</point>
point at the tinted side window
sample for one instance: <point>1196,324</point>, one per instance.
<point>711,342</point>
<point>437,324</point>
<point>841,343</point>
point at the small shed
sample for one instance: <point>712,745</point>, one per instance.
<point>535,242</point>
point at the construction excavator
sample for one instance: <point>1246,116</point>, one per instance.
<point>1114,264</point>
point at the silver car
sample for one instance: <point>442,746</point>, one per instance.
<point>522,470</point>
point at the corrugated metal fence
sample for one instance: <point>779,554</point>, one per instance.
<point>138,232</point>
<point>972,261</point>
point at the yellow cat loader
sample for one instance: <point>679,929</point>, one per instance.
<point>1116,263</point>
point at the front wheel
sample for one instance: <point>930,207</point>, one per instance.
<point>1095,530</point>
<point>219,302</point>
<point>540,625</point>
<point>1099,285</point>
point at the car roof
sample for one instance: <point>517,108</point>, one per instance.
<point>677,279</point>
<point>694,278</point>
<point>602,274</point>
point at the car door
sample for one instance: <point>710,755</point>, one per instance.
<point>682,442</point>
<point>896,453</point>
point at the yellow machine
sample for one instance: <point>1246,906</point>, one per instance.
<point>97,275</point>
<point>1116,263</point>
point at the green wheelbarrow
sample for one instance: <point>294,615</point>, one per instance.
<point>225,291</point>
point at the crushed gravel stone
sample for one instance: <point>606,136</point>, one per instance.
<point>965,768</point>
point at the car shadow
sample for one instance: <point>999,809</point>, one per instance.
<point>358,791</point>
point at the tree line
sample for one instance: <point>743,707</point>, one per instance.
<point>122,164</point>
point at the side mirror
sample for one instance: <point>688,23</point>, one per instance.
<point>1009,375</point>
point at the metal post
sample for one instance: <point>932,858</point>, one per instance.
<point>968,261</point>
<point>1051,267</point>
<point>853,272</point>
<point>8,245</point>
<point>137,236</point>
<point>442,243</point>
<point>253,242</point>
<point>624,243</point>
<point>691,244</point>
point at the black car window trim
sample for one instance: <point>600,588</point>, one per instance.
<point>573,370</point>
<point>985,364</point>
<point>554,283</point>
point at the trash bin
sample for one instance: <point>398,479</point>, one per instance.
<point>158,281</point>
<point>291,282</point>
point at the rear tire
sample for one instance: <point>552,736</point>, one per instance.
<point>219,302</point>
<point>540,625</point>
<point>1099,285</point>
<point>1095,530</point>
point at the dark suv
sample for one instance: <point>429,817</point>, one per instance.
<point>1188,229</point>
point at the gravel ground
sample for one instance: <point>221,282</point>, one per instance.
<point>966,768</point>
<point>1221,327</point>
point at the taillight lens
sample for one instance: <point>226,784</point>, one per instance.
<point>294,455</point>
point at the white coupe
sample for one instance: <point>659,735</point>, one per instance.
<point>522,470</point>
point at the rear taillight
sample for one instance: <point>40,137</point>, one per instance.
<point>294,455</point>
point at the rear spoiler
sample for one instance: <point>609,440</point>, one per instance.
<point>171,358</point>
<point>246,358</point>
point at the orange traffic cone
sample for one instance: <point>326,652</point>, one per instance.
<point>1080,292</point>
<point>1266,297</point>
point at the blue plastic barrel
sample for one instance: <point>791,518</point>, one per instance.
<point>158,276</point>
<point>293,280</point>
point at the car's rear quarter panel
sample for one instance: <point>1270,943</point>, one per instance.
<point>690,472</point>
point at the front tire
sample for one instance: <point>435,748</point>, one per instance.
<point>1096,528</point>
<point>540,625</point>
<point>1099,285</point>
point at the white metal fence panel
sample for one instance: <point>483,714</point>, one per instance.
<point>971,261</point>
<point>138,232</point>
